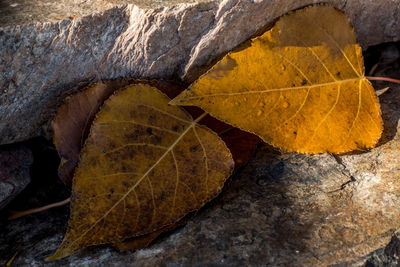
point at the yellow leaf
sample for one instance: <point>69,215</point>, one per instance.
<point>145,165</point>
<point>299,86</point>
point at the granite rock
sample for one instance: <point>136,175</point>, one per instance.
<point>279,210</point>
<point>47,59</point>
<point>15,161</point>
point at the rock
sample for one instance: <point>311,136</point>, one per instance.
<point>279,210</point>
<point>45,60</point>
<point>15,161</point>
<point>389,256</point>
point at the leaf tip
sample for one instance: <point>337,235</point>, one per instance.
<point>177,101</point>
<point>62,252</point>
<point>181,99</point>
<point>53,257</point>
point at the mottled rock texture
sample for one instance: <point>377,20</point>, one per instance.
<point>280,210</point>
<point>15,161</point>
<point>42,62</point>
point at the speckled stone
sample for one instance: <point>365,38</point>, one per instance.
<point>42,62</point>
<point>279,210</point>
<point>15,161</point>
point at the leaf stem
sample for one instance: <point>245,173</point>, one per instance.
<point>199,118</point>
<point>387,79</point>
<point>17,214</point>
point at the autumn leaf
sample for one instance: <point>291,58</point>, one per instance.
<point>300,86</point>
<point>74,118</point>
<point>144,166</point>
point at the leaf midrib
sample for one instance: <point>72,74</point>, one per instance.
<point>280,89</point>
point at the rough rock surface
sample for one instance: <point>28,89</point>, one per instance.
<point>42,62</point>
<point>18,12</point>
<point>15,161</point>
<point>280,210</point>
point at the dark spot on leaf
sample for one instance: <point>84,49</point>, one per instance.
<point>151,119</point>
<point>194,148</point>
<point>108,195</point>
<point>104,150</point>
<point>156,140</point>
<point>304,82</point>
<point>181,100</point>
<point>149,131</point>
<point>295,132</point>
<point>175,128</point>
<point>338,74</point>
<point>163,196</point>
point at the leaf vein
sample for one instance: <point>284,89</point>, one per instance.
<point>176,183</point>
<point>152,199</point>
<point>166,113</point>
<point>277,89</point>
<point>322,63</point>
<point>190,190</point>
<point>133,144</point>
<point>341,51</point>
<point>326,115</point>
<point>139,123</point>
<point>357,114</point>
<point>297,111</point>
<point>293,65</point>
<point>205,158</point>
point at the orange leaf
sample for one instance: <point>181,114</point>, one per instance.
<point>300,86</point>
<point>144,166</point>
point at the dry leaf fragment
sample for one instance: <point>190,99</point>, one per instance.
<point>299,86</point>
<point>144,166</point>
<point>72,123</point>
